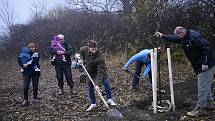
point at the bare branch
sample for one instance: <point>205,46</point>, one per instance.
<point>106,6</point>
<point>6,13</point>
<point>39,8</point>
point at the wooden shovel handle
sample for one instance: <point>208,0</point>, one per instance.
<point>98,91</point>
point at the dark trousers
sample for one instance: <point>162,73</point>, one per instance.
<point>66,70</point>
<point>26,84</point>
<point>138,69</point>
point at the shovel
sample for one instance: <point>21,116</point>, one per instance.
<point>110,112</point>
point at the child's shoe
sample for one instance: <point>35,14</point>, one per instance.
<point>37,69</point>
<point>29,62</point>
<point>53,58</point>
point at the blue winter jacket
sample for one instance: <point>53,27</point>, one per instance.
<point>196,48</point>
<point>23,58</point>
<point>143,57</point>
<point>25,55</point>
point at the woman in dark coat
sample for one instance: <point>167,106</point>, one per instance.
<point>31,71</point>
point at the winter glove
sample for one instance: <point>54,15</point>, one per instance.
<point>125,69</point>
<point>79,62</point>
<point>97,88</point>
<point>158,34</point>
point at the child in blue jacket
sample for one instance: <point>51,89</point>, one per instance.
<point>25,57</point>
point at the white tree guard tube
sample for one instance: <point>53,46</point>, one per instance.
<point>170,78</point>
<point>154,87</point>
<point>156,65</point>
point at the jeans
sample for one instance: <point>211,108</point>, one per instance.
<point>138,69</point>
<point>66,70</point>
<point>92,93</point>
<point>205,80</point>
<point>26,84</point>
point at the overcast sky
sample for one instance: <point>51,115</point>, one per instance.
<point>23,8</point>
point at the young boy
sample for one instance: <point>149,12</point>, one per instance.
<point>96,67</point>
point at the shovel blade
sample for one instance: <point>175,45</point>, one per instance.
<point>114,113</point>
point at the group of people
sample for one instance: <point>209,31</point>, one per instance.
<point>92,59</point>
<point>195,46</point>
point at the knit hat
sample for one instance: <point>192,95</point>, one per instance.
<point>56,38</point>
<point>61,36</point>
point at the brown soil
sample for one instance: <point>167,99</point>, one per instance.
<point>134,106</point>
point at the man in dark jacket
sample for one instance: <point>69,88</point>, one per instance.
<point>96,67</point>
<point>199,53</point>
<point>63,66</point>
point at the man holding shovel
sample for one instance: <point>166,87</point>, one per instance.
<point>199,53</point>
<point>96,67</point>
<point>140,58</point>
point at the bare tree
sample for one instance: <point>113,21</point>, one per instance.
<point>106,6</point>
<point>128,5</point>
<point>6,14</point>
<point>39,9</point>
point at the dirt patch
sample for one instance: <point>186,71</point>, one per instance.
<point>134,106</point>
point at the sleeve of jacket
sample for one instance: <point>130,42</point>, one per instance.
<point>20,62</point>
<point>201,43</point>
<point>101,71</point>
<point>68,49</point>
<point>132,59</point>
<point>147,70</point>
<point>82,53</point>
<point>171,38</point>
